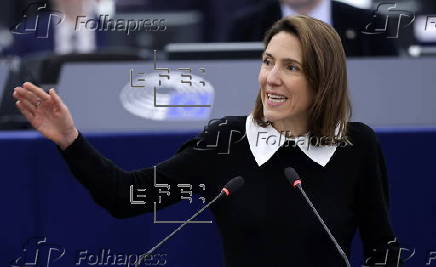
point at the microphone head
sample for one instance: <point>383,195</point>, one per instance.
<point>233,185</point>
<point>292,176</point>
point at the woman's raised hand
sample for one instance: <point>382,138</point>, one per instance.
<point>47,113</point>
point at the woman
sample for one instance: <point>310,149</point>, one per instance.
<point>300,119</point>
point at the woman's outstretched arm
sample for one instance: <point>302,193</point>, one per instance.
<point>110,185</point>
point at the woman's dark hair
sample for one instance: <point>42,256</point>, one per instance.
<point>325,67</point>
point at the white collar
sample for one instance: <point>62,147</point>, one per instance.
<point>322,11</point>
<point>264,142</point>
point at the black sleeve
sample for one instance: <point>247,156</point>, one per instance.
<point>375,228</point>
<point>110,186</point>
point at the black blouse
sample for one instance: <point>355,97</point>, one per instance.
<point>267,222</point>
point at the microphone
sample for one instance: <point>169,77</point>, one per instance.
<point>231,187</point>
<point>295,180</point>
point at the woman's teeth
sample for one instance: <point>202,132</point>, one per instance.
<point>276,98</point>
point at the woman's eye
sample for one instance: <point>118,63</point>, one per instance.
<point>293,68</point>
<point>266,61</point>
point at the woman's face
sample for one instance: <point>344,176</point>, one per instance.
<point>285,93</point>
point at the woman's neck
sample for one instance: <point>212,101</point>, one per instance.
<point>291,128</point>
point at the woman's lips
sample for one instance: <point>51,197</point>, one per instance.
<point>274,100</point>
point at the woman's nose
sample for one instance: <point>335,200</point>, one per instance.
<point>273,77</point>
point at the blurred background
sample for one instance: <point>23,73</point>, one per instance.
<point>128,68</point>
<point>38,38</point>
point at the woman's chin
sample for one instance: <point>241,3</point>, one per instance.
<point>271,117</point>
